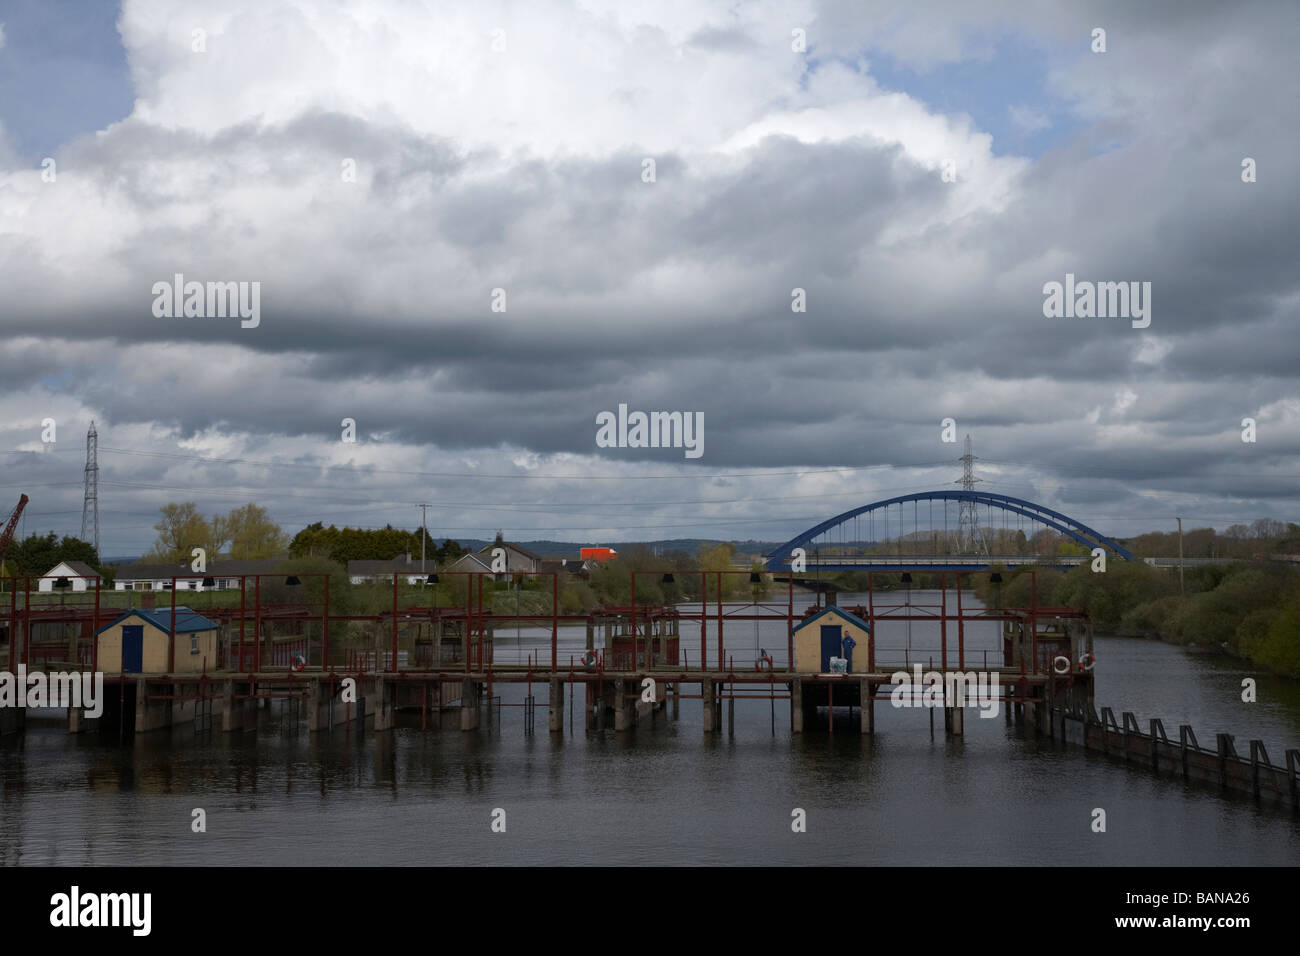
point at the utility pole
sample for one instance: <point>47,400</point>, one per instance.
<point>424,533</point>
<point>1180,557</point>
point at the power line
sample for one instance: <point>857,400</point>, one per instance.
<point>473,474</point>
<point>522,507</point>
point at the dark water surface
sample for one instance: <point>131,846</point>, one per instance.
<point>666,793</point>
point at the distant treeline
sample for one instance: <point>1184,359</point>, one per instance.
<point>36,554</point>
<point>1261,537</point>
<point>1251,610</point>
<point>374,544</point>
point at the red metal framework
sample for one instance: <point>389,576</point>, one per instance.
<point>89,612</point>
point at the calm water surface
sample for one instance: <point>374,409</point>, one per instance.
<point>667,793</point>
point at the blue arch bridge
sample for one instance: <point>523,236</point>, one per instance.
<point>944,530</point>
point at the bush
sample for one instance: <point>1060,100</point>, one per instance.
<point>312,589</point>
<point>1214,617</point>
<point>1253,632</point>
<point>1150,617</point>
<point>1279,648</point>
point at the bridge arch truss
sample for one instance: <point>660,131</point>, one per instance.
<point>779,559</point>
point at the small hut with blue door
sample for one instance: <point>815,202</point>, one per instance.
<point>139,642</point>
<point>832,632</point>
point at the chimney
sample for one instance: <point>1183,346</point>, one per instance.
<point>147,600</point>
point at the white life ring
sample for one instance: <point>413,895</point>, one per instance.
<point>1087,662</point>
<point>589,659</point>
<point>1058,661</point>
<point>298,662</point>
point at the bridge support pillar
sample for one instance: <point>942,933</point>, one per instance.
<point>385,706</point>
<point>236,714</point>
<point>12,720</point>
<point>76,720</point>
<point>555,705</point>
<point>707,698</point>
<point>954,719</point>
<point>151,715</point>
<point>624,712</point>
<point>433,706</point>
<point>315,702</point>
<point>868,707</point>
<point>469,703</point>
<point>796,706</point>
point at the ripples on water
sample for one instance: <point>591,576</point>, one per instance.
<point>666,793</point>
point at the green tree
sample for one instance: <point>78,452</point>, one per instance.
<point>449,551</point>
<point>720,557</point>
<point>253,535</point>
<point>180,530</point>
<point>219,530</point>
<point>36,554</point>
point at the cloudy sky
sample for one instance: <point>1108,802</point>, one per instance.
<point>503,146</point>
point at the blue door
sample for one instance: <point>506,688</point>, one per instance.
<point>831,639</point>
<point>132,648</point>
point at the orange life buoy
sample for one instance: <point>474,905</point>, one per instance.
<point>589,659</point>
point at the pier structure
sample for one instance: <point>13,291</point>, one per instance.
<point>281,641</point>
<point>437,667</point>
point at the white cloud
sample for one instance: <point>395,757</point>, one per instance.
<point>522,169</point>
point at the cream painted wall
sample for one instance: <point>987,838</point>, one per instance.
<point>808,644</point>
<point>156,648</point>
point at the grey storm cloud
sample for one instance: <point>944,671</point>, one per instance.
<point>924,297</point>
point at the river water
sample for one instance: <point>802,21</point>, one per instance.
<point>666,793</point>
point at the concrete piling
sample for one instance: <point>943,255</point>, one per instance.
<point>555,706</point>
<point>384,704</point>
<point>954,720</point>
<point>868,707</point>
<point>624,718</point>
<point>710,713</point>
<point>469,704</point>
